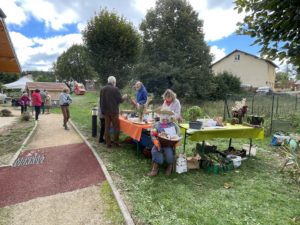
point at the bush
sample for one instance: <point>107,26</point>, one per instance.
<point>5,113</point>
<point>25,116</point>
<point>226,83</point>
<point>194,113</point>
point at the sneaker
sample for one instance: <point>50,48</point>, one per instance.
<point>67,128</point>
<point>118,145</point>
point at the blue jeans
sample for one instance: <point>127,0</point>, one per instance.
<point>165,152</point>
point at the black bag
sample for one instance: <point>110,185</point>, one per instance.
<point>66,104</point>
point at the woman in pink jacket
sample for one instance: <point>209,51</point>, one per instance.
<point>24,102</point>
<point>36,102</point>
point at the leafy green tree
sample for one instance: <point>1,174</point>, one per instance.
<point>74,64</point>
<point>275,24</point>
<point>226,83</point>
<point>6,78</point>
<point>41,76</point>
<point>175,54</point>
<point>114,45</point>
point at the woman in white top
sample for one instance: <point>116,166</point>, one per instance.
<point>172,103</point>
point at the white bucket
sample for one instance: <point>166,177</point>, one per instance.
<point>237,160</point>
<point>253,149</point>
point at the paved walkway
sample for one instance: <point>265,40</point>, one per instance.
<point>56,164</point>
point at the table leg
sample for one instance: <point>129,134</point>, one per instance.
<point>229,145</point>
<point>184,141</point>
<point>250,146</point>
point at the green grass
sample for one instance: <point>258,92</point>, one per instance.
<point>12,139</point>
<point>260,194</point>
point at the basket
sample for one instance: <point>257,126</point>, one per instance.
<point>165,142</point>
<point>195,125</point>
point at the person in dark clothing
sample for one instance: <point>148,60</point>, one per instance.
<point>102,125</point>
<point>110,99</point>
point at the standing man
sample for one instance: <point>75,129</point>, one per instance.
<point>44,96</point>
<point>110,99</point>
<point>36,102</point>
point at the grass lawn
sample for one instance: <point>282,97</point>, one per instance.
<point>259,193</point>
<point>12,138</point>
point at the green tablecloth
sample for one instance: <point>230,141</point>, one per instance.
<point>228,131</point>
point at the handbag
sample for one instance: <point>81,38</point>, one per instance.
<point>65,104</point>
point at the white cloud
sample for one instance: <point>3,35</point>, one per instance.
<point>218,53</point>
<point>38,53</point>
<point>218,16</point>
<point>15,14</point>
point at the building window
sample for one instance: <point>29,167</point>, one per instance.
<point>237,57</point>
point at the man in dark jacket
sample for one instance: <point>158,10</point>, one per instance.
<point>110,99</point>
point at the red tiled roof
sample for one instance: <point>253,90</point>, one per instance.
<point>46,86</point>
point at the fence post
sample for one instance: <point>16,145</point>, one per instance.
<point>273,96</point>
<point>252,104</point>
<point>277,102</point>
<point>296,101</point>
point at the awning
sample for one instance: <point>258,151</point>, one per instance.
<point>8,59</point>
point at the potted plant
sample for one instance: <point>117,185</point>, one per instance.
<point>193,114</point>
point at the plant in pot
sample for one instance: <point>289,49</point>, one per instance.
<point>193,114</point>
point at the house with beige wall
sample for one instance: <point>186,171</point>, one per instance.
<point>251,70</point>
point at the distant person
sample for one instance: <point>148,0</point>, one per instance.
<point>141,94</point>
<point>24,102</point>
<point>44,96</point>
<point>48,103</point>
<point>110,99</point>
<point>36,102</point>
<point>64,101</point>
<point>172,103</point>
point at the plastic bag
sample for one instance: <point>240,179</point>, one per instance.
<point>181,164</point>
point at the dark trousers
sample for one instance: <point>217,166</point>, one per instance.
<point>37,112</point>
<point>66,113</point>
<point>23,108</point>
<point>43,107</point>
<point>102,129</point>
<point>114,120</point>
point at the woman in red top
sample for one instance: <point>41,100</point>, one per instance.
<point>36,102</point>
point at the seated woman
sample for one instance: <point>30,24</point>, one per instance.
<point>172,103</point>
<point>158,152</point>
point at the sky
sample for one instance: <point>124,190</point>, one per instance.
<point>42,30</point>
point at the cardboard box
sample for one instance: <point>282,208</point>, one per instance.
<point>193,162</point>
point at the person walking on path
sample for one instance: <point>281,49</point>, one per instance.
<point>36,102</point>
<point>24,102</point>
<point>64,101</point>
<point>110,99</point>
<point>48,103</point>
<point>44,96</point>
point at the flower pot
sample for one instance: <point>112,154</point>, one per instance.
<point>255,120</point>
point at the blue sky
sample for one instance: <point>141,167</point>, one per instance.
<point>42,29</point>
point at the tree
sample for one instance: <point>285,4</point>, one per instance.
<point>226,83</point>
<point>114,45</point>
<point>6,78</point>
<point>74,64</point>
<point>175,54</point>
<point>275,24</point>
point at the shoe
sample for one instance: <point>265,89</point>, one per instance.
<point>101,140</point>
<point>109,146</point>
<point>169,170</point>
<point>67,128</point>
<point>118,145</point>
<point>154,170</point>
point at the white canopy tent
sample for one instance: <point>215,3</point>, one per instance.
<point>19,84</point>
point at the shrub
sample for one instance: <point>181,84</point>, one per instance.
<point>194,113</point>
<point>25,116</point>
<point>5,113</point>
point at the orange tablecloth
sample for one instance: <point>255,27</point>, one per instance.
<point>132,129</point>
